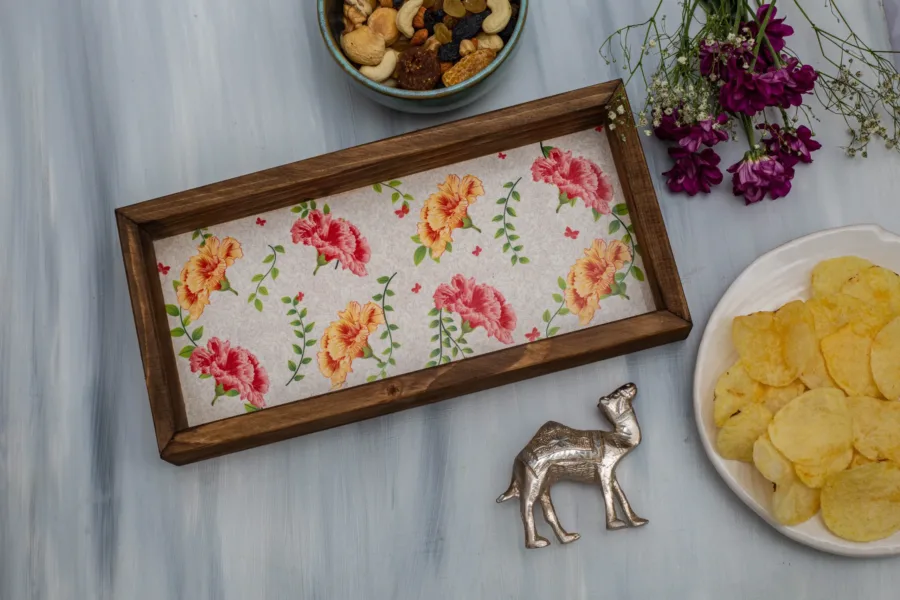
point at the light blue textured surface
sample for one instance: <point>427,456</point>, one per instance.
<point>108,102</point>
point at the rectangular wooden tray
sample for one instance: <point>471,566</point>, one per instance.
<point>142,225</point>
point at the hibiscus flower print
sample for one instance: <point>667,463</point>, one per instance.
<point>348,339</point>
<point>477,305</point>
<point>334,240</point>
<point>235,370</point>
<point>592,276</point>
<point>575,178</point>
<point>204,273</point>
<point>443,213</point>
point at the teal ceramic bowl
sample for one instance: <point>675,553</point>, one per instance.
<point>433,101</point>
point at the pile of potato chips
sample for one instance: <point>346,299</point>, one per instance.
<point>814,401</point>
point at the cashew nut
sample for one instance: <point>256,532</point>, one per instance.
<point>355,16</point>
<point>363,46</point>
<point>384,70</point>
<point>407,13</point>
<point>467,47</point>
<point>384,22</point>
<point>364,6</point>
<point>492,41</point>
<point>501,12</point>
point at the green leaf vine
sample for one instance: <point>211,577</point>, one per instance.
<point>561,310</point>
<point>448,347</point>
<point>173,310</point>
<point>261,291</point>
<point>387,355</point>
<point>396,193</point>
<point>301,330</point>
<point>506,225</point>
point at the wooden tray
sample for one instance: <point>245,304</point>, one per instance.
<point>500,351</point>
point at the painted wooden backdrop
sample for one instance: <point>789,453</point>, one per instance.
<point>108,102</point>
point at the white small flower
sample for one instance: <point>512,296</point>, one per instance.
<point>648,133</point>
<point>682,60</point>
<point>612,126</point>
<point>621,110</point>
<point>653,43</point>
<point>612,115</point>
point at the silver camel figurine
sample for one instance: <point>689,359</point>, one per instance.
<point>558,452</point>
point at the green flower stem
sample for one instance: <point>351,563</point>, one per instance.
<point>384,296</point>
<point>559,308</point>
<point>217,396</point>
<point>227,287</point>
<point>757,46</point>
<point>387,185</point>
<point>505,205</point>
<point>186,332</point>
<point>442,332</point>
<point>456,341</point>
<point>631,238</point>
<point>302,347</point>
<point>272,266</point>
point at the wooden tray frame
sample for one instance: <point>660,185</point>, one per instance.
<point>139,225</point>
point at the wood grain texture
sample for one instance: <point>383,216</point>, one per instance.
<point>105,103</point>
<point>360,167</point>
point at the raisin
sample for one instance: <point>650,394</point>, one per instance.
<point>450,22</point>
<point>475,6</point>
<point>449,52</point>
<point>511,26</point>
<point>442,34</point>
<point>470,26</point>
<point>418,69</point>
<point>454,8</point>
<point>398,4</point>
<point>428,3</point>
<point>432,18</point>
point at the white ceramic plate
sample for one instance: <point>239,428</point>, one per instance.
<point>772,280</point>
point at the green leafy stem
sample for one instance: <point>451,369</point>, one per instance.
<point>507,227</point>
<point>203,234</point>
<point>259,278</point>
<point>306,206</point>
<point>454,346</point>
<point>397,192</point>
<point>193,337</point>
<point>561,310</point>
<point>301,330</point>
<point>618,211</point>
<point>388,333</point>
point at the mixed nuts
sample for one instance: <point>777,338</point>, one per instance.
<point>425,44</point>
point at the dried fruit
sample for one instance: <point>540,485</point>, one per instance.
<point>467,47</point>
<point>432,18</point>
<point>363,46</point>
<point>469,27</point>
<point>443,34</point>
<point>419,38</point>
<point>449,21</point>
<point>475,6</point>
<point>454,8</point>
<point>418,69</point>
<point>428,3</point>
<point>431,44</point>
<point>386,3</point>
<point>419,19</point>
<point>449,52</point>
<point>445,66</point>
<point>384,22</point>
<point>468,67</point>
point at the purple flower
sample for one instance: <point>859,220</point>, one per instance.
<point>760,174</point>
<point>776,30</point>
<point>799,80</point>
<point>748,92</point>
<point>792,146</point>
<point>693,172</point>
<point>669,130</point>
<point>707,132</point>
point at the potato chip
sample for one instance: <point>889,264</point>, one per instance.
<point>760,346</point>
<point>816,476</point>
<point>770,462</point>
<point>830,275</point>
<point>847,356</point>
<point>885,361</point>
<point>816,375</point>
<point>734,390</point>
<point>859,460</point>
<point>737,435</point>
<point>793,503</point>
<point>863,504</point>
<point>776,398</point>
<point>876,428</point>
<point>812,427</point>
<point>795,324</point>
<point>876,286</point>
<point>831,313</point>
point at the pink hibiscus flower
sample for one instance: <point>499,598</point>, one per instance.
<point>576,178</point>
<point>334,239</point>
<point>233,368</point>
<point>479,304</point>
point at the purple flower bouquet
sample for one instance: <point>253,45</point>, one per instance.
<point>737,74</point>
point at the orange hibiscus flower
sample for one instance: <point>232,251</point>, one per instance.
<point>592,276</point>
<point>204,273</point>
<point>448,210</point>
<point>347,339</point>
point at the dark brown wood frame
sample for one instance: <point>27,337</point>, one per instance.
<point>139,225</point>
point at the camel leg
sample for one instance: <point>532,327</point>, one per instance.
<point>606,484</point>
<point>529,491</point>
<point>630,515</point>
<point>550,516</point>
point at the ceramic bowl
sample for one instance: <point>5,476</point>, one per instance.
<point>433,101</point>
<point>782,275</point>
